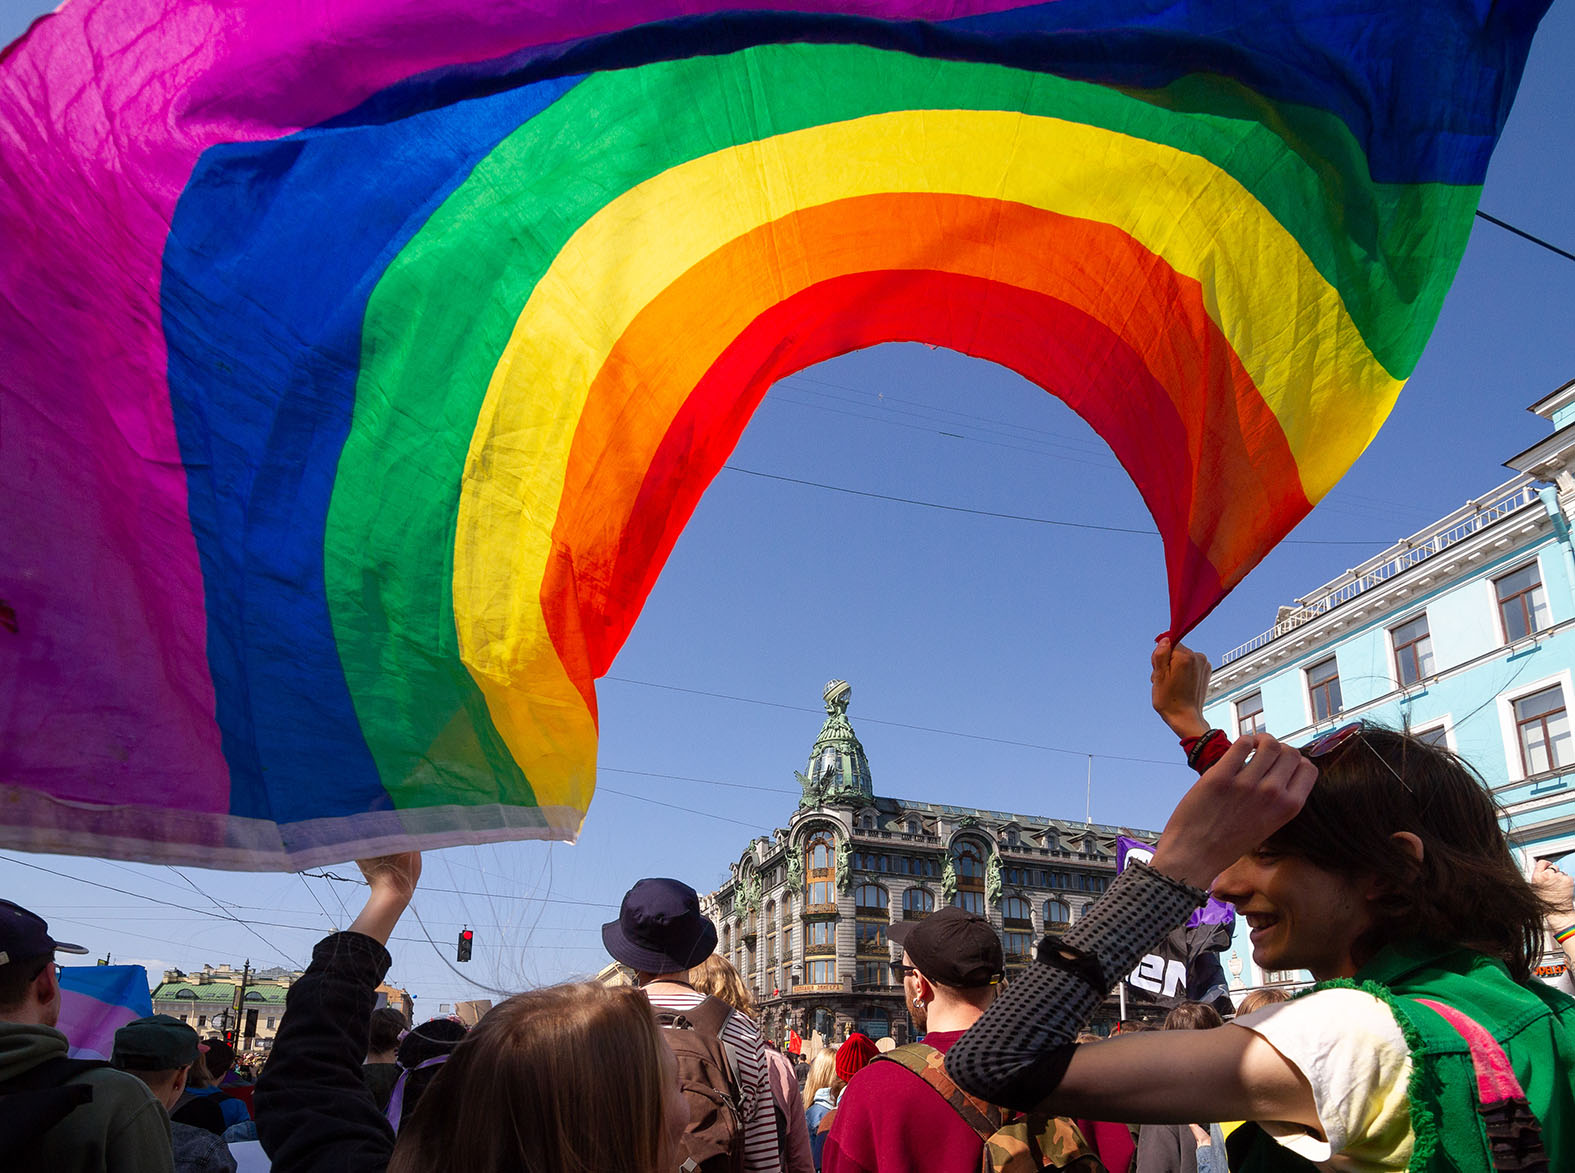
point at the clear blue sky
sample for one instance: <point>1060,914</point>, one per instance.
<point>1000,631</point>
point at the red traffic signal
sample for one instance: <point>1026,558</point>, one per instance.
<point>463,953</point>
<point>229,1037</point>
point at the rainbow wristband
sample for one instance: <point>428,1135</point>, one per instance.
<point>1564,934</point>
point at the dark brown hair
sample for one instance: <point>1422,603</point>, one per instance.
<point>1465,890</point>
<point>563,1080</point>
<point>1193,1016</point>
<point>387,1025</point>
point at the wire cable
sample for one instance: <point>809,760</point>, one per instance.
<point>1523,234</point>
<point>1081,753</point>
<point>1084,525</point>
<point>233,916</point>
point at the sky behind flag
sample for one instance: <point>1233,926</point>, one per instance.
<point>1028,638</point>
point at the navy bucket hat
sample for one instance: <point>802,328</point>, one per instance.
<point>660,928</point>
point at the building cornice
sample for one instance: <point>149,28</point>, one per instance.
<point>1554,401</point>
<point>1422,566</point>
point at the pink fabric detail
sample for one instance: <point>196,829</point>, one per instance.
<point>1496,1080</point>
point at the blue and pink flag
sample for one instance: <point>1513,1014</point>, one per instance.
<point>96,1001</point>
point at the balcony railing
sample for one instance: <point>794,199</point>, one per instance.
<point>1470,518</point>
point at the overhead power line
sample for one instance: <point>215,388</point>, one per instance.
<point>1080,753</point>
<point>1522,233</point>
<point>1084,525</point>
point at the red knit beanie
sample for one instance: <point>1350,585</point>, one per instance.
<point>854,1054</point>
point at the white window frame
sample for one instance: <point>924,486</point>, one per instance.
<point>1235,709</point>
<point>1307,689</point>
<point>1498,611</point>
<point>1446,723</point>
<point>1394,650</point>
<point>1508,729</point>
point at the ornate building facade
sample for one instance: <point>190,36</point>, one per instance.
<point>806,914</point>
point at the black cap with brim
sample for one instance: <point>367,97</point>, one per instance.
<point>953,948</point>
<point>25,934</point>
<point>660,928</point>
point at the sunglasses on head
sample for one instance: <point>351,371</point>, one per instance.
<point>1333,741</point>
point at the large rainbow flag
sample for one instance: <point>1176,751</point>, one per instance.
<point>361,360</point>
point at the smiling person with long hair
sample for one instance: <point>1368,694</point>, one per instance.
<point>1391,881</point>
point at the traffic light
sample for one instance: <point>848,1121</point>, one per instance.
<point>465,936</point>
<point>229,1037</point>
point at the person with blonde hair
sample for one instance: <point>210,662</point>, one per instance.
<point>569,1079</point>
<point>821,1089</point>
<point>717,976</point>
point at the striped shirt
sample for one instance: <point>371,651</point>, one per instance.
<point>760,1123</point>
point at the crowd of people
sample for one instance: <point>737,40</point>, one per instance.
<point>1370,858</point>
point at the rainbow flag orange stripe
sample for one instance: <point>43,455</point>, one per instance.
<point>379,354</point>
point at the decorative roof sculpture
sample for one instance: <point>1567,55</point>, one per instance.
<point>838,769</point>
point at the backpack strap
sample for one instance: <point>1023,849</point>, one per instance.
<point>711,1018</point>
<point>930,1066</point>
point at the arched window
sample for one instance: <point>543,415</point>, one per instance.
<point>820,952</point>
<point>1016,914</point>
<point>968,861</point>
<point>867,821</point>
<point>1057,916</point>
<point>820,871</point>
<point>870,900</point>
<point>915,827</point>
<point>771,936</point>
<point>870,905</point>
<point>917,903</point>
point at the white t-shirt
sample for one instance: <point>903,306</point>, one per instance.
<point>1349,1048</point>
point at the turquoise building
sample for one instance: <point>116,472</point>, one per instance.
<point>1463,632</point>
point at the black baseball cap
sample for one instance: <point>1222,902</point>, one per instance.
<point>660,928</point>
<point>953,948</point>
<point>155,1043</point>
<point>25,934</point>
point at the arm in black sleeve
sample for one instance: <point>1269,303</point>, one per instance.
<point>1016,1054</point>
<point>314,1112</point>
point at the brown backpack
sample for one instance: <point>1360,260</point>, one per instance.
<point>713,1141</point>
<point>1014,1142</point>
